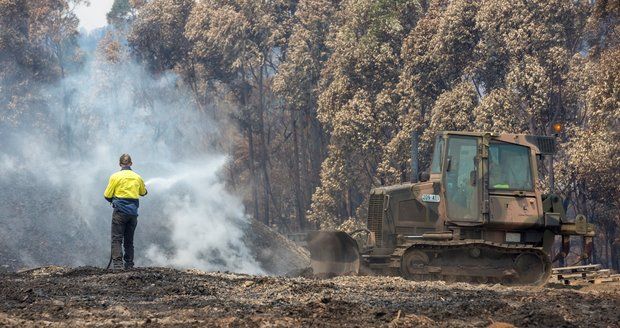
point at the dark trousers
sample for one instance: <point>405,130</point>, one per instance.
<point>123,227</point>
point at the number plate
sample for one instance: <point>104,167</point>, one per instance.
<point>430,198</point>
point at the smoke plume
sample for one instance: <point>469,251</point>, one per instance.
<point>55,166</point>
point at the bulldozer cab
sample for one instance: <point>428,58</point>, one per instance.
<point>475,179</point>
<point>487,178</point>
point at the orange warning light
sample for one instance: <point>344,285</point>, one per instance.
<point>557,127</point>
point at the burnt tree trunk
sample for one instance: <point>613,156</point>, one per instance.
<point>247,122</point>
<point>614,245</point>
<point>306,177</point>
<point>299,204</point>
<point>615,255</point>
<point>263,147</point>
<point>253,172</point>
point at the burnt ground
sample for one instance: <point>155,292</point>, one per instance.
<point>57,296</point>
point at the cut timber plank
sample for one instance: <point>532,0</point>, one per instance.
<point>572,275</point>
<point>582,275</point>
<point>589,267</point>
<point>600,280</point>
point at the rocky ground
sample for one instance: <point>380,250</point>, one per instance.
<point>58,296</point>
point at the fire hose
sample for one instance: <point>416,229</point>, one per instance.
<point>109,262</point>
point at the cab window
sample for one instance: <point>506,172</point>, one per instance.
<point>461,189</point>
<point>437,153</point>
<point>509,167</point>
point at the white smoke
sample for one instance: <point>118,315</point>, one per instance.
<point>205,223</point>
<point>59,169</point>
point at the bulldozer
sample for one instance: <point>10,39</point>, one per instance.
<point>476,215</point>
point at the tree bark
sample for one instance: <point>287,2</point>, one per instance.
<point>306,177</point>
<point>253,172</point>
<point>317,149</point>
<point>247,117</point>
<point>614,245</point>
<point>299,204</point>
<point>263,146</point>
<point>615,255</point>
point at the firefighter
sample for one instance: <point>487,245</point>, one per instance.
<point>124,189</point>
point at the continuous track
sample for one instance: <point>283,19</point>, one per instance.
<point>472,261</point>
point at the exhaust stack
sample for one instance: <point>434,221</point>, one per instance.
<point>415,156</point>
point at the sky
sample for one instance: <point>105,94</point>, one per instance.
<point>93,16</point>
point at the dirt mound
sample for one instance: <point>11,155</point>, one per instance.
<point>276,254</point>
<point>158,296</point>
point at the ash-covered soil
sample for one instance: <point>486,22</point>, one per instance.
<point>58,296</point>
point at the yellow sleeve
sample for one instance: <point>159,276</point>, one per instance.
<point>109,190</point>
<point>143,190</point>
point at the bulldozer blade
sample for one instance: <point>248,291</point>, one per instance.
<point>333,253</point>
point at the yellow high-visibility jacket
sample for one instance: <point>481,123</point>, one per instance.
<point>124,189</point>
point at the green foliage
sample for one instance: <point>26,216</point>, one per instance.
<point>158,33</point>
<point>120,13</point>
<point>37,45</point>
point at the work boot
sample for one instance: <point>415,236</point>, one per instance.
<point>128,266</point>
<point>117,266</point>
